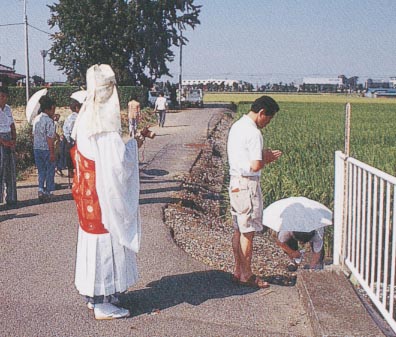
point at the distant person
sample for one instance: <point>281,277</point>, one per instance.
<point>43,147</point>
<point>160,107</point>
<point>246,157</point>
<point>76,102</point>
<point>106,193</point>
<point>7,152</point>
<point>288,241</point>
<point>133,115</point>
<point>59,145</point>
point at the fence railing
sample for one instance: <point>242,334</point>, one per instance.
<point>365,229</point>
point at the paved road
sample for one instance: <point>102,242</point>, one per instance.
<point>176,295</point>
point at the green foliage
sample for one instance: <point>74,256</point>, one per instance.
<point>125,92</point>
<point>308,134</point>
<point>24,149</point>
<point>242,97</point>
<point>61,94</point>
<point>134,37</point>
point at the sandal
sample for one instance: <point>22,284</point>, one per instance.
<point>281,280</point>
<point>255,282</point>
<point>235,279</point>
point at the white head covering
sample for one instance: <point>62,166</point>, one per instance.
<point>101,110</point>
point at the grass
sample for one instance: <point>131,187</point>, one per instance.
<point>294,97</point>
<point>308,134</point>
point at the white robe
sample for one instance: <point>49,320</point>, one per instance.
<point>106,263</point>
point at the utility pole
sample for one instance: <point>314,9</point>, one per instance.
<point>180,64</point>
<point>26,53</point>
<point>44,54</point>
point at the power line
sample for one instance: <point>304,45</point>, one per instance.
<point>11,24</point>
<point>40,30</point>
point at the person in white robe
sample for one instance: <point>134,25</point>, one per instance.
<point>106,192</point>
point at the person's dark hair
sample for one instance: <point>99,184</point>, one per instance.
<point>74,104</point>
<point>133,97</point>
<point>161,93</point>
<point>46,103</point>
<point>4,90</point>
<point>303,236</point>
<point>267,103</point>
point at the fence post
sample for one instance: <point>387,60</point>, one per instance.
<point>338,215</point>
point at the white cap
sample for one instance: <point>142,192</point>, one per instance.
<point>79,96</point>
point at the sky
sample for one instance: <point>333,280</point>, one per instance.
<point>257,41</point>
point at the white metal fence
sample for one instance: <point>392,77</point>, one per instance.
<point>365,229</point>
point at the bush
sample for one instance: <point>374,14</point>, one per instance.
<point>148,118</point>
<point>125,92</point>
<point>61,94</point>
<point>24,149</point>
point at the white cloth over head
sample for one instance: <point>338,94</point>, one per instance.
<point>101,107</point>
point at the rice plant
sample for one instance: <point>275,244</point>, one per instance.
<point>309,133</point>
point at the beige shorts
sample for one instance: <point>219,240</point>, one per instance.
<point>246,204</point>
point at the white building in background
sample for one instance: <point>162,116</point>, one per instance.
<point>392,81</point>
<point>323,80</point>
<point>210,81</point>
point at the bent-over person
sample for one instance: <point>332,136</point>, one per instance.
<point>288,241</point>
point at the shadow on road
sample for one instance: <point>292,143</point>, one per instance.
<point>193,288</point>
<point>159,200</point>
<point>16,216</point>
<point>35,201</point>
<point>161,190</point>
<point>175,126</point>
<point>155,172</point>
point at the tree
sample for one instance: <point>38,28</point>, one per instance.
<point>134,36</point>
<point>37,80</point>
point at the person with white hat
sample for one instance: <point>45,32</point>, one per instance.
<point>76,101</point>
<point>106,193</point>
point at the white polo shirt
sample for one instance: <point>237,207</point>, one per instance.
<point>245,144</point>
<point>160,103</point>
<point>6,119</point>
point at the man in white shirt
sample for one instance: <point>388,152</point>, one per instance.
<point>246,157</point>
<point>7,152</point>
<point>160,106</point>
